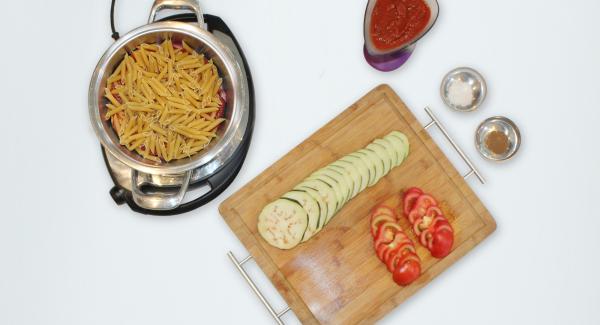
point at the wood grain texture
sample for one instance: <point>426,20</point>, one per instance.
<point>335,278</point>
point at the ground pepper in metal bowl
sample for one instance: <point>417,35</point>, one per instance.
<point>497,142</point>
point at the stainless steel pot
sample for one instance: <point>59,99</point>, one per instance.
<point>182,171</point>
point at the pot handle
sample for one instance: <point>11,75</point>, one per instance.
<point>192,5</point>
<point>158,201</point>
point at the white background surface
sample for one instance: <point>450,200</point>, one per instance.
<point>69,255</point>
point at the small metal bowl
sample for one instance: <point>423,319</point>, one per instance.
<point>473,79</point>
<point>501,124</point>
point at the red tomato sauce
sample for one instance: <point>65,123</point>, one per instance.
<point>397,22</point>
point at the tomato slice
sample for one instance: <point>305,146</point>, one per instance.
<point>417,226</point>
<point>410,197</point>
<point>386,233</point>
<point>381,250</point>
<point>441,243</point>
<point>423,202</point>
<point>414,215</point>
<point>433,211</point>
<point>393,256</point>
<point>406,272</point>
<point>411,256</point>
<point>377,220</point>
<point>400,240</point>
<point>426,200</point>
<point>393,260</point>
<point>425,238</point>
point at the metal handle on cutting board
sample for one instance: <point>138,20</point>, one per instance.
<point>239,266</point>
<point>435,121</point>
<point>191,5</point>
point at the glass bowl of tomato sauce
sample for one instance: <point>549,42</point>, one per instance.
<point>392,28</point>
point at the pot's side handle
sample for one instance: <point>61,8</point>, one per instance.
<point>158,201</point>
<point>191,5</point>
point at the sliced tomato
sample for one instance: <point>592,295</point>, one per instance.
<point>377,220</point>
<point>393,256</point>
<point>386,233</point>
<point>407,248</point>
<point>433,211</point>
<point>428,223</point>
<point>410,197</point>
<point>411,256</point>
<point>400,240</point>
<point>423,202</point>
<point>417,226</point>
<point>441,243</point>
<point>400,256</point>
<point>391,244</point>
<point>393,260</point>
<point>425,238</point>
<point>414,215</point>
<point>406,272</point>
<point>426,200</point>
<point>381,250</point>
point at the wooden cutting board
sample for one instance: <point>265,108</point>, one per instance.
<point>335,277</point>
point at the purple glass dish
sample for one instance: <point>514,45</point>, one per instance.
<point>388,62</point>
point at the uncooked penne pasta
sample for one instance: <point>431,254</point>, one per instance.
<point>163,101</point>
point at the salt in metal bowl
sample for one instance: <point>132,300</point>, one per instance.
<point>500,124</point>
<point>473,79</point>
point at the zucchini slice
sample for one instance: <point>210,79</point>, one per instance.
<point>326,176</point>
<point>404,140</point>
<point>377,162</point>
<point>361,168</point>
<point>382,153</point>
<point>326,193</point>
<point>322,205</point>
<point>312,208</point>
<point>393,154</point>
<point>352,175</point>
<point>398,147</point>
<point>345,181</point>
<point>282,223</point>
<point>371,165</point>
